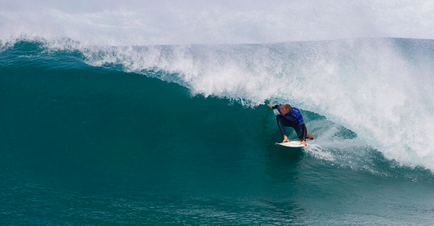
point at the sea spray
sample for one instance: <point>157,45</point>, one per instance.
<point>136,23</point>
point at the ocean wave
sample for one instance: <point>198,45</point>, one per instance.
<point>378,88</point>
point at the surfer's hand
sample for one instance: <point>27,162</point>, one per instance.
<point>304,143</point>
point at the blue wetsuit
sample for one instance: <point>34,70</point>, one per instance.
<point>292,119</point>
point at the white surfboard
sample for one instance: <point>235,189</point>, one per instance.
<point>292,144</point>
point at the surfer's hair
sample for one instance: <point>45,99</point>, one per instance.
<point>287,106</point>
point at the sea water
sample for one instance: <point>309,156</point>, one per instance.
<point>180,134</point>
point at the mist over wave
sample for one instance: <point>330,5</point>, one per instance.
<point>132,22</point>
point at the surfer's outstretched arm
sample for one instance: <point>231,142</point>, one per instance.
<point>272,106</point>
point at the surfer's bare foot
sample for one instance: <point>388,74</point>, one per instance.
<point>303,143</point>
<point>310,136</point>
<point>285,139</point>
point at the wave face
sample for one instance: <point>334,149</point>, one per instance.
<point>180,134</point>
<point>380,89</point>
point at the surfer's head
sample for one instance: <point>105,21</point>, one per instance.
<point>285,108</point>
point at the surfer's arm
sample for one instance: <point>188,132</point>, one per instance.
<point>272,107</point>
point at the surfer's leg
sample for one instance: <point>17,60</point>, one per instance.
<point>301,131</point>
<point>283,122</point>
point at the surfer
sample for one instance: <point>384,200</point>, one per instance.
<point>291,117</point>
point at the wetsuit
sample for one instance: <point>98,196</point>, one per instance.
<point>292,119</point>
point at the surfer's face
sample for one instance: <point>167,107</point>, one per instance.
<point>284,109</point>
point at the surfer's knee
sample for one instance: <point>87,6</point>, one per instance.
<point>278,117</point>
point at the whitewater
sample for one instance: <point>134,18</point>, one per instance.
<point>155,112</point>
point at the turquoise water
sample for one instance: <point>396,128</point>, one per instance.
<point>180,135</point>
